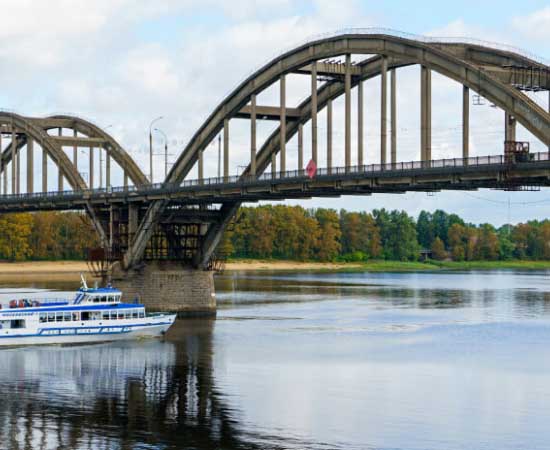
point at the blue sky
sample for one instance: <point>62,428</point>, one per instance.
<point>124,62</point>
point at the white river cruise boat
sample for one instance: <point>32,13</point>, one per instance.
<point>94,315</point>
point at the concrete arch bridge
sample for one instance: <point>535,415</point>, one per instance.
<point>163,237</point>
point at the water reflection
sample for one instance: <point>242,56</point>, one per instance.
<point>304,360</point>
<point>149,394</point>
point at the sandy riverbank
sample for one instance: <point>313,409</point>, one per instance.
<point>70,270</point>
<point>43,271</point>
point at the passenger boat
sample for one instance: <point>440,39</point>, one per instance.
<point>94,315</point>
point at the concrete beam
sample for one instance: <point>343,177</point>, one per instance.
<point>384,111</point>
<point>267,113</point>
<point>314,113</point>
<point>393,118</point>
<point>329,136</point>
<point>253,134</point>
<point>327,68</point>
<point>465,122</point>
<point>226,149</point>
<point>360,137</point>
<point>30,166</point>
<point>282,126</point>
<point>347,118</point>
<point>79,141</point>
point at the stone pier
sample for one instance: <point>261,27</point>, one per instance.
<point>168,287</point>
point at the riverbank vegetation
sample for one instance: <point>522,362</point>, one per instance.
<point>381,239</point>
<point>294,233</point>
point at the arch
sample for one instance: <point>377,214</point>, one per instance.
<point>460,62</point>
<point>113,148</point>
<point>431,55</point>
<point>55,152</point>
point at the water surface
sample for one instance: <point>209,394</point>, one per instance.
<point>303,360</point>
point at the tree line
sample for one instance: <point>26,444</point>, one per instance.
<point>292,232</point>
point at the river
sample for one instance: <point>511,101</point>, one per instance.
<point>452,360</point>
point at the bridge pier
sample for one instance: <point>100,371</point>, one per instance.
<point>168,287</point>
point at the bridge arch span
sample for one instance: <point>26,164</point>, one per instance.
<point>443,58</point>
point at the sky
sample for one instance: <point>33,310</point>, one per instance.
<point>121,63</point>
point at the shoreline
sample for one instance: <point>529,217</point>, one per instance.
<point>69,270</point>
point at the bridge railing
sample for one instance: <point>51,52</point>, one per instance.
<point>371,169</point>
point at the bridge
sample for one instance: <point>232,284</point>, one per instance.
<point>160,239</point>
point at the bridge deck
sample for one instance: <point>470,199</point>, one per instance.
<point>445,174</point>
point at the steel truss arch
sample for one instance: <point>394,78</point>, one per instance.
<point>431,55</point>
<point>471,65</point>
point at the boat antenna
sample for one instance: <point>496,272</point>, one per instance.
<point>83,278</point>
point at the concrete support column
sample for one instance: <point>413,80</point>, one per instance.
<point>226,150</point>
<point>300,146</point>
<point>108,170</point>
<point>44,170</point>
<point>273,165</point>
<point>13,161</point>
<point>100,150</point>
<point>253,135</point>
<point>133,222</point>
<point>91,169</point>
<point>426,114</point>
<point>360,124</point>
<point>18,157</point>
<point>59,171</point>
<point>465,122</point>
<point>75,152</point>
<point>509,127</point>
<point>347,129</point>
<point>125,179</point>
<point>282,126</point>
<point>201,165</point>
<point>384,110</point>
<point>393,117</point>
<point>329,136</point>
<point>314,112</point>
<point>30,165</point>
<point>2,172</point>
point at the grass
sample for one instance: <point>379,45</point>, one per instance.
<point>392,266</point>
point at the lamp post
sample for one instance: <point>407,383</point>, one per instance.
<point>151,148</point>
<point>165,151</point>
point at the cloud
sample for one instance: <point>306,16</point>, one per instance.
<point>535,25</point>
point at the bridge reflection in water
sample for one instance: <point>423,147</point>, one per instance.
<point>120,395</point>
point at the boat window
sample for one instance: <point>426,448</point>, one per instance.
<point>113,315</point>
<point>51,317</point>
<point>43,317</point>
<point>85,315</point>
<point>142,314</point>
<point>135,313</point>
<point>17,324</point>
<point>67,316</point>
<point>105,315</point>
<point>127,314</point>
<point>76,317</point>
<point>120,315</point>
<point>59,317</point>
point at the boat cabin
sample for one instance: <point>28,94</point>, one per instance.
<point>107,295</point>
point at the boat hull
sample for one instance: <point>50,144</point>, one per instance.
<point>91,334</point>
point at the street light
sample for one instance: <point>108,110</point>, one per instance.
<point>165,151</point>
<point>151,147</point>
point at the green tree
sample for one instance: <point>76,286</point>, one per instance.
<point>438,249</point>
